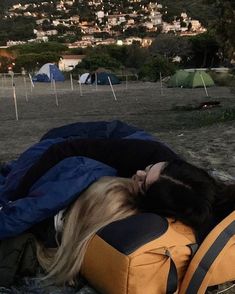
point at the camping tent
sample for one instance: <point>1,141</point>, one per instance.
<point>85,78</point>
<point>198,79</point>
<point>102,78</point>
<point>47,73</point>
<point>177,80</point>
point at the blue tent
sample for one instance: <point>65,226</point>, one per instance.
<point>102,78</point>
<point>47,73</point>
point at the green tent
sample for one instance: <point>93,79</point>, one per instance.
<point>177,80</point>
<point>198,79</point>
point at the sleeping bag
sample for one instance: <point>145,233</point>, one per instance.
<point>52,173</point>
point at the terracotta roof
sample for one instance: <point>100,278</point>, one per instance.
<point>5,53</point>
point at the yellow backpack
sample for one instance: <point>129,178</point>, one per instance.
<point>214,262</point>
<point>144,253</point>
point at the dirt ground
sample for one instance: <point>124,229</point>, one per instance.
<point>145,105</point>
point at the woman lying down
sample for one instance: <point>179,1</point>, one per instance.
<point>163,184</point>
<point>112,198</point>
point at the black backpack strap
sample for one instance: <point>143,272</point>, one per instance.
<point>172,281</point>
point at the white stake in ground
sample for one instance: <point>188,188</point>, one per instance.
<point>25,88</point>
<point>80,85</point>
<point>15,101</point>
<point>31,83</point>
<point>115,98</point>
<point>71,81</point>
<point>204,84</point>
<point>161,88</point>
<point>55,91</point>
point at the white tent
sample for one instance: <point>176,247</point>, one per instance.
<point>85,78</point>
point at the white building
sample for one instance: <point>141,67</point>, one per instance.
<point>14,43</point>
<point>196,25</point>
<point>156,18</point>
<point>131,40</point>
<point>68,62</point>
<point>41,20</point>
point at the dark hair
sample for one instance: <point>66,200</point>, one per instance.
<point>189,194</point>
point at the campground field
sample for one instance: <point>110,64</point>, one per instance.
<point>168,113</point>
<point>204,136</point>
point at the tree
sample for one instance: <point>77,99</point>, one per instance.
<point>4,63</point>
<point>224,26</point>
<point>46,25</point>
<point>103,35</point>
<point>205,50</point>
<point>170,46</point>
<point>135,56</point>
<point>40,48</point>
<point>94,61</point>
<point>139,31</point>
<point>32,60</point>
<point>154,66</point>
<point>2,7</point>
<point>18,28</point>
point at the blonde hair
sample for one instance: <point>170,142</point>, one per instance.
<point>107,200</point>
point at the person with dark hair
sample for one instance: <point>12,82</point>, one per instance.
<point>170,186</point>
<point>187,193</point>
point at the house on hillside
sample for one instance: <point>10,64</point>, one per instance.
<point>131,40</point>
<point>68,62</point>
<point>11,43</point>
<point>147,41</point>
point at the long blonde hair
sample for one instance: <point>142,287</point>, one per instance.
<point>107,200</point>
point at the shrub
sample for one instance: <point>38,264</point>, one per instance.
<point>223,79</point>
<point>154,66</point>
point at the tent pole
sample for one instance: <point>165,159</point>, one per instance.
<point>31,82</point>
<point>110,83</point>
<point>80,85</point>
<point>71,81</point>
<point>204,84</point>
<point>55,91</point>
<point>15,101</point>
<point>25,88</point>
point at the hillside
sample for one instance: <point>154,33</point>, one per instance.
<point>195,8</point>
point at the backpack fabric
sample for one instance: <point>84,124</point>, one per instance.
<point>143,253</point>
<point>214,262</point>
